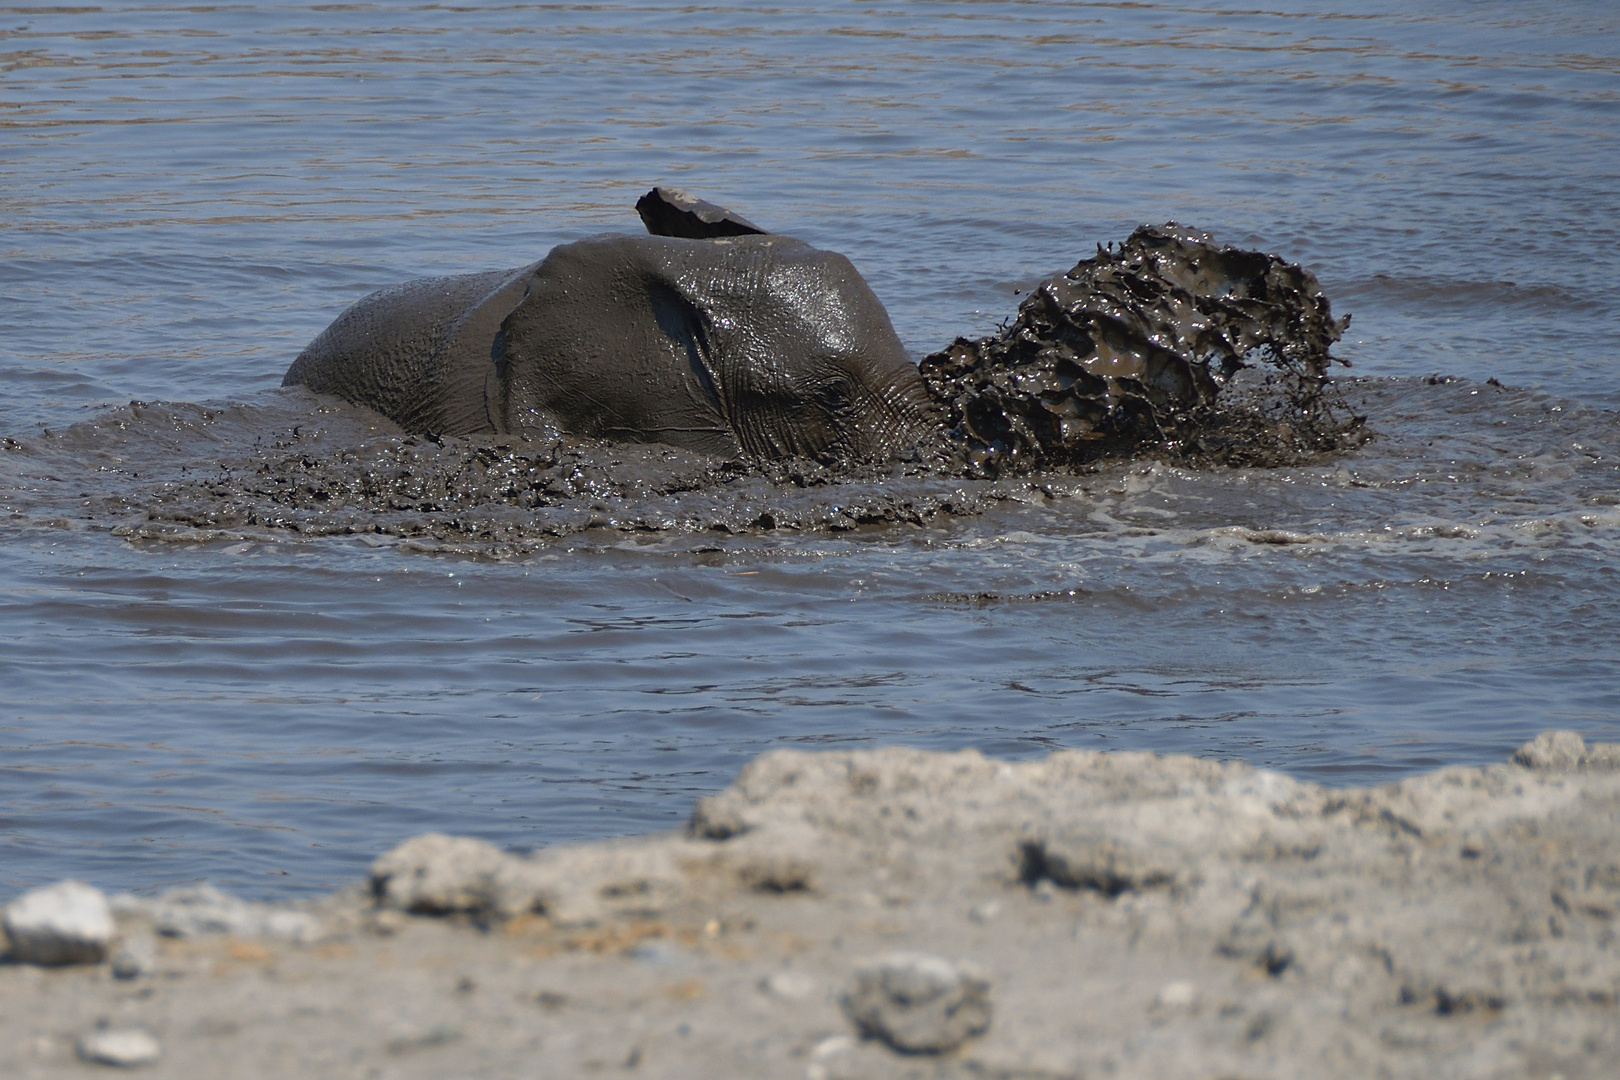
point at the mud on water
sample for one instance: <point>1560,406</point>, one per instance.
<point>511,496</point>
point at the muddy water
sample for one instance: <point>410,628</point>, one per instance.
<point>190,194</point>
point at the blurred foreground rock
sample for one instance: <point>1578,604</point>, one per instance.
<point>196,910</point>
<point>127,1048</point>
<point>65,923</point>
<point>1133,915</point>
<point>918,1004</point>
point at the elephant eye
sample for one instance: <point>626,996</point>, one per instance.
<point>835,395</point>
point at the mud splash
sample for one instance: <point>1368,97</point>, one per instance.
<point>1130,351</point>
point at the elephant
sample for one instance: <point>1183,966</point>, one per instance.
<point>708,335</point>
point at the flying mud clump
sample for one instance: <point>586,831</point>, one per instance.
<point>1140,350</point>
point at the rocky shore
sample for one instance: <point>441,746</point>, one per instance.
<point>896,913</point>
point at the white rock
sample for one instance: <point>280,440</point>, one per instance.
<point>125,1048</point>
<point>437,874</point>
<point>1554,751</point>
<point>65,923</point>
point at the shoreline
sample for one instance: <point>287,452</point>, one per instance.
<point>898,912</point>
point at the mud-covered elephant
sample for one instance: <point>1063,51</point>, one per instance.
<point>713,337</point>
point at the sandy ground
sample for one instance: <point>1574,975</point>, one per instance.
<point>1135,916</point>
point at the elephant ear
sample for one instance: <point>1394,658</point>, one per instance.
<point>605,344</point>
<point>469,354</point>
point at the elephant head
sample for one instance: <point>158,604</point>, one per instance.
<point>752,343</point>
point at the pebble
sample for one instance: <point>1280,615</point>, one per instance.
<point>126,1048</point>
<point>831,1046</point>
<point>788,985</point>
<point>1177,995</point>
<point>384,922</point>
<point>136,957</point>
<point>299,927</point>
<point>407,1039</point>
<point>985,912</point>
<point>66,923</point>
<point>827,1058</point>
<point>917,1003</point>
<point>656,952</point>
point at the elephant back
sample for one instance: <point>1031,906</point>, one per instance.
<point>419,352</point>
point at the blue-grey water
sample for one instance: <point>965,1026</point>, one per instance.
<point>188,194</point>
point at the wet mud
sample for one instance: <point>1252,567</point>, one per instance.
<point>513,495</point>
<point>1168,347</point>
<point>1133,351</point>
<point>300,466</point>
